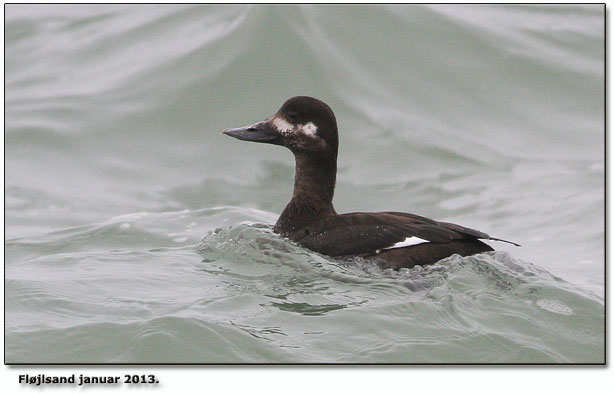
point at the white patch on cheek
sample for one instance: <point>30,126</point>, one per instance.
<point>309,129</point>
<point>282,125</point>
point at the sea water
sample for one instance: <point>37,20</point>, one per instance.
<point>136,232</point>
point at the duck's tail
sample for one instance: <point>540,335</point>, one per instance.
<point>503,240</point>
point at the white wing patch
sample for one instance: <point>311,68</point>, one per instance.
<point>409,241</point>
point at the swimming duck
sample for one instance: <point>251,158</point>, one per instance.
<point>307,126</point>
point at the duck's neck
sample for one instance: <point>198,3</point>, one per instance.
<point>314,187</point>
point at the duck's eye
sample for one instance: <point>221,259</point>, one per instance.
<point>292,116</point>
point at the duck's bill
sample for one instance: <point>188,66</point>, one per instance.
<point>258,132</point>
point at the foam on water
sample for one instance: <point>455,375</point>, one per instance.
<point>555,306</point>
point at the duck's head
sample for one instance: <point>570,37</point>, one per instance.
<point>302,124</point>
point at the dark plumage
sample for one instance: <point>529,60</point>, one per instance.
<point>308,128</point>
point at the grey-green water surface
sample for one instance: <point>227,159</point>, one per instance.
<point>137,232</point>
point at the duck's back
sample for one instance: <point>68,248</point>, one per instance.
<point>400,239</point>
